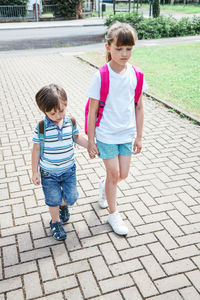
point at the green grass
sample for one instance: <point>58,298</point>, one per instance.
<point>187,9</point>
<point>172,72</point>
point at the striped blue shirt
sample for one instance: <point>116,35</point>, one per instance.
<point>58,153</point>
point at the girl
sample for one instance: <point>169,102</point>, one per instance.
<point>121,117</point>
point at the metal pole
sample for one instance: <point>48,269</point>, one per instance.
<point>149,8</point>
<point>36,11</point>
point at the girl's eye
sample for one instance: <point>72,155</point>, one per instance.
<point>61,110</point>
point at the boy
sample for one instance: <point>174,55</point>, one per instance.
<point>57,164</point>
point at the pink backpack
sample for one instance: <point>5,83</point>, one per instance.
<point>104,72</point>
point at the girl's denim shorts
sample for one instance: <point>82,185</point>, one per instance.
<point>107,151</point>
<point>59,187</point>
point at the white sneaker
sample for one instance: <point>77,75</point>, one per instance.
<point>102,195</point>
<point>117,224</point>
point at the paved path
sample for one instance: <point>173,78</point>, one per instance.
<point>160,201</point>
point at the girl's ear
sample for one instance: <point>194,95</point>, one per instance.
<point>107,47</point>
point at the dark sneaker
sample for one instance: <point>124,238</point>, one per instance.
<point>58,231</point>
<point>64,214</point>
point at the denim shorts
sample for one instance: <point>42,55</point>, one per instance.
<point>59,187</point>
<point>107,151</point>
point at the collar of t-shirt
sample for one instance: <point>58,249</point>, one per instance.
<point>50,123</point>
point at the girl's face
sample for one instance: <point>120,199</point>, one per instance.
<point>120,54</point>
<point>57,115</point>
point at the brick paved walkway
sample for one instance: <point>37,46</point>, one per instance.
<point>160,202</point>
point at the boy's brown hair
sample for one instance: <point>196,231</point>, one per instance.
<point>49,97</point>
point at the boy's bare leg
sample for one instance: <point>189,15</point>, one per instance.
<point>54,212</point>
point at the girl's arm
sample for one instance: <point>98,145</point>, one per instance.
<point>35,163</point>
<point>139,115</point>
<point>92,116</point>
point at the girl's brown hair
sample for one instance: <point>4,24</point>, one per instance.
<point>49,97</point>
<point>123,34</point>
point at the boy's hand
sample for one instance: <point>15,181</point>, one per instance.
<point>36,178</point>
<point>92,150</point>
<point>137,147</point>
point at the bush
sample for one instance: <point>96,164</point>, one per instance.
<point>67,8</point>
<point>13,2</point>
<point>160,27</point>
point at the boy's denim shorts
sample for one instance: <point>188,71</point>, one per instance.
<point>60,187</point>
<point>107,151</point>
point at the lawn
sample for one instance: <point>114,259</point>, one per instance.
<point>187,9</point>
<point>172,72</point>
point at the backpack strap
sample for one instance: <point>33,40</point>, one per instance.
<point>138,89</point>
<point>73,123</point>
<point>104,72</point>
<point>41,134</point>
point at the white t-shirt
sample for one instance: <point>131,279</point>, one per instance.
<point>117,125</point>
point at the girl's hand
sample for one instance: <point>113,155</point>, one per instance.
<point>36,178</point>
<point>137,147</point>
<point>92,150</point>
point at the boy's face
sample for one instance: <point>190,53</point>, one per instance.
<point>58,115</point>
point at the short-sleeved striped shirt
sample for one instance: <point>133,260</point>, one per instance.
<point>58,153</point>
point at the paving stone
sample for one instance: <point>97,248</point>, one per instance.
<point>47,269</point>
<point>167,296</point>
<point>20,269</point>
<point>144,283</point>
<point>131,293</point>
<point>73,294</point>
<point>125,267</point>
<point>189,293</point>
<point>194,277</point>
<point>110,296</point>
<point>88,284</point>
<point>18,294</point>
<point>10,255</point>
<point>160,253</point>
<point>180,266</point>
<point>24,242</point>
<point>73,268</point>
<point>32,286</point>
<point>99,267</point>
<point>60,254</point>
<point>115,283</point>
<point>110,254</point>
<point>184,252</point>
<point>152,267</point>
<point>172,283</point>
<point>10,284</point>
<point>60,284</point>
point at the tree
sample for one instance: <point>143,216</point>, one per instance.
<point>156,8</point>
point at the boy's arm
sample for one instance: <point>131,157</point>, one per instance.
<point>35,163</point>
<point>92,116</point>
<point>139,115</point>
<point>80,140</point>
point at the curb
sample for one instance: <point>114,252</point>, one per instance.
<point>182,113</point>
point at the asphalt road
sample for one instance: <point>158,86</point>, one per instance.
<point>34,38</point>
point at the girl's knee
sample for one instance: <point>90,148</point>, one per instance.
<point>123,176</point>
<point>113,177</point>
